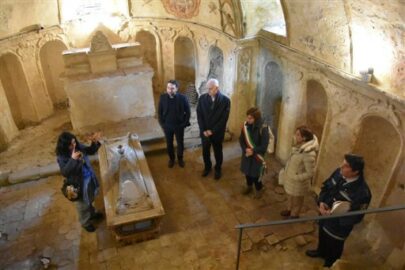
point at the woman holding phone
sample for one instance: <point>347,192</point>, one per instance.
<point>75,165</point>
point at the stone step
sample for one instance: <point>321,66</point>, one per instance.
<point>342,264</point>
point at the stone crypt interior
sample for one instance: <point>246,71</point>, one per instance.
<point>337,66</point>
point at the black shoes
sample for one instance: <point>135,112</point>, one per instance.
<point>97,216</point>
<point>170,164</point>
<point>314,253</point>
<point>90,228</point>
<point>206,172</point>
<point>217,175</point>
<point>181,163</point>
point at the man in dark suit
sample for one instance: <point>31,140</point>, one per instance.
<point>212,112</point>
<point>174,117</point>
<point>346,185</point>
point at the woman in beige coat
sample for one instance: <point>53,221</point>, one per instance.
<point>297,174</point>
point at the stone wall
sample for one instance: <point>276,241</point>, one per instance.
<point>360,118</point>
<point>27,50</point>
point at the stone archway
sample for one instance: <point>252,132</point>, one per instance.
<point>184,62</point>
<point>270,96</point>
<point>216,59</point>
<point>316,107</point>
<point>378,142</point>
<point>17,91</point>
<point>52,67</point>
<point>149,52</point>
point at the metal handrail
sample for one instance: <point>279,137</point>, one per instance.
<point>241,227</point>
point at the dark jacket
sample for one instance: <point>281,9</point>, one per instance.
<point>213,116</point>
<point>260,136</point>
<point>72,169</point>
<point>335,188</point>
<point>182,110</point>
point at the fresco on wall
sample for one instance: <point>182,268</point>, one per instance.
<point>182,9</point>
<point>5,13</point>
<point>398,80</point>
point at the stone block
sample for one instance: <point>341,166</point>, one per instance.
<point>77,69</point>
<point>103,62</point>
<point>4,178</point>
<point>128,50</point>
<point>25,175</point>
<point>300,240</point>
<point>396,259</point>
<point>129,62</point>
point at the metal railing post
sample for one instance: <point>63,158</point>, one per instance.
<point>239,246</point>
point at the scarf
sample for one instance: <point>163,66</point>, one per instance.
<point>250,144</point>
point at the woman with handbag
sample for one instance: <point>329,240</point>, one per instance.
<point>81,185</point>
<point>297,174</point>
<point>254,139</point>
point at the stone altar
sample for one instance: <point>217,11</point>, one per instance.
<point>132,204</point>
<point>107,83</point>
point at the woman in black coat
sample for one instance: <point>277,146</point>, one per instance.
<point>75,165</point>
<point>254,139</point>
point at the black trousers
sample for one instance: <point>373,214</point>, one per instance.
<point>254,180</point>
<point>330,248</point>
<point>169,134</point>
<point>217,145</point>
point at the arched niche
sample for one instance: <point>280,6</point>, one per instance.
<point>271,95</point>
<point>216,58</point>
<point>184,62</point>
<point>148,45</point>
<point>52,67</point>
<point>379,143</point>
<point>317,107</point>
<point>16,89</point>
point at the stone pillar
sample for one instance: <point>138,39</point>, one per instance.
<point>40,97</point>
<point>8,129</point>
<point>290,110</point>
<point>168,35</point>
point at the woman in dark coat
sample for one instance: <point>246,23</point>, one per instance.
<point>75,165</point>
<point>254,139</point>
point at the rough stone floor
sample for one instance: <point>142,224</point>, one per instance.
<point>196,233</point>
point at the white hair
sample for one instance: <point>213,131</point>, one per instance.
<point>213,81</point>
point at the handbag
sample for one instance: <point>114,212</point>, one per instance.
<point>70,190</point>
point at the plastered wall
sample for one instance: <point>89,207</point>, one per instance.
<point>360,118</point>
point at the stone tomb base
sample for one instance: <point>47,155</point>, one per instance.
<point>103,99</point>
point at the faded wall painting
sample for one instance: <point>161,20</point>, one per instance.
<point>270,96</point>
<point>185,9</point>
<point>216,64</point>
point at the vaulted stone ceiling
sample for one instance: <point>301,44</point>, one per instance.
<point>352,35</point>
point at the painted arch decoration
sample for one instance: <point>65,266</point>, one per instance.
<point>184,9</point>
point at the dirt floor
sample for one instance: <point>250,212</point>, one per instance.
<point>197,232</point>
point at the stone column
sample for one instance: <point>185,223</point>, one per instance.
<point>40,97</point>
<point>8,129</point>
<point>168,34</point>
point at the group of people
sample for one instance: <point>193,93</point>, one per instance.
<point>212,113</point>
<point>346,185</point>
